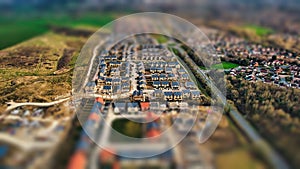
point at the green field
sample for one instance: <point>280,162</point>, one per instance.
<point>225,65</point>
<point>13,31</point>
<point>160,38</point>
<point>259,30</point>
<point>128,128</point>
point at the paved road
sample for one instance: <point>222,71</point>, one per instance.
<point>13,105</point>
<point>25,145</point>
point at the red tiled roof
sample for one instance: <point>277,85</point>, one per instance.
<point>145,105</point>
<point>100,100</point>
<point>77,161</point>
<point>153,133</point>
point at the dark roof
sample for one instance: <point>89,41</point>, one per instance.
<point>185,75</point>
<point>168,69</point>
<point>156,83</point>
<point>168,93</point>
<point>132,104</point>
<point>181,70</point>
<point>119,105</point>
<point>177,93</point>
<point>115,62</point>
<point>116,80</point>
<point>195,92</point>
<point>137,92</point>
<point>190,84</point>
<point>165,83</point>
<point>175,83</point>
<point>107,87</point>
<point>186,91</point>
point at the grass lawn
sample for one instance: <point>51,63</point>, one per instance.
<point>225,65</point>
<point>160,38</point>
<point>243,160</point>
<point>13,31</point>
<point>259,30</point>
<point>128,128</point>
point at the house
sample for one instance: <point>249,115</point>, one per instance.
<point>132,107</point>
<point>175,85</point>
<point>108,81</point>
<point>168,95</point>
<point>186,93</point>
<point>185,76</point>
<point>115,63</point>
<point>144,106</point>
<point>125,86</point>
<point>102,69</point>
<point>165,84</point>
<point>177,95</point>
<point>162,77</point>
<point>117,89</point>
<point>154,77</point>
<point>190,85</point>
<point>138,95</point>
<point>107,89</point>
<point>183,105</point>
<point>195,94</point>
<point>152,69</point>
<point>141,69</point>
<point>127,72</point>
<point>156,69</point>
<point>159,70</point>
<point>173,65</point>
<point>114,72</point>
<point>142,83</point>
<point>171,77</point>
<point>157,93</point>
<point>119,107</point>
<point>168,70</point>
<point>111,57</point>
<point>116,81</point>
<point>173,105</point>
<point>154,105</point>
<point>125,79</point>
<point>90,87</point>
<point>156,84</point>
<point>101,62</point>
<point>181,71</point>
<point>100,80</point>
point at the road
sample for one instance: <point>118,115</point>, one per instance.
<point>13,105</point>
<point>25,145</point>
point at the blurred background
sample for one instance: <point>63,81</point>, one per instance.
<point>41,39</point>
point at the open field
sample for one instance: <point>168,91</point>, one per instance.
<point>259,30</point>
<point>229,144</point>
<point>225,65</point>
<point>39,69</point>
<point>244,160</point>
<point>18,30</point>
